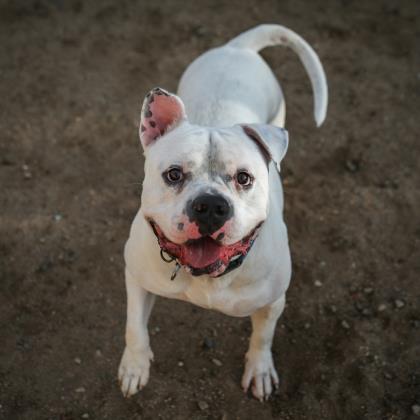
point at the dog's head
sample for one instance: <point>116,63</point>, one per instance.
<point>205,191</point>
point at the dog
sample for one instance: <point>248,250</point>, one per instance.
<point>210,229</point>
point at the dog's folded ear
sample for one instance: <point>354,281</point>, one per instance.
<point>272,140</point>
<point>160,113</point>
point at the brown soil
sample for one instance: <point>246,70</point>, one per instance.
<point>72,77</point>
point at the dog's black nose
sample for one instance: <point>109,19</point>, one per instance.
<point>210,212</point>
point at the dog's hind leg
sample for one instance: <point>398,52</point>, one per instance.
<point>259,366</point>
<point>133,372</point>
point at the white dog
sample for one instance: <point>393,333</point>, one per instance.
<point>210,229</point>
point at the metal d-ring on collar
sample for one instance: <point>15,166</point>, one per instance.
<point>168,258</point>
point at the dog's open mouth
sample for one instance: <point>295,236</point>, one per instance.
<point>205,255</point>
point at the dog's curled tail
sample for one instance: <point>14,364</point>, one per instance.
<point>270,35</point>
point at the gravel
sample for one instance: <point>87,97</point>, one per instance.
<point>203,405</point>
<point>208,343</point>
<point>416,409</point>
<point>345,324</point>
<point>399,304</point>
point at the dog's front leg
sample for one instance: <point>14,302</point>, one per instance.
<point>133,372</point>
<point>259,366</point>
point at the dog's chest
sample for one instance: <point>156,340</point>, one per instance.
<point>233,300</point>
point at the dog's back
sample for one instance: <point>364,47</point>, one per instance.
<point>238,85</point>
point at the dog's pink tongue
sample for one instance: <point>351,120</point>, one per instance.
<point>201,253</point>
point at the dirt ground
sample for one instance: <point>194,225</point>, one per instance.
<point>72,78</point>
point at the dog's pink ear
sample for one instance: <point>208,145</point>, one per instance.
<point>161,112</point>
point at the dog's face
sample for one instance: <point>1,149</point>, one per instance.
<point>205,190</point>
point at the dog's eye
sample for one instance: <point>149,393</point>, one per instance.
<point>174,175</point>
<point>244,178</point>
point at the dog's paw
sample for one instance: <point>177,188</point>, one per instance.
<point>260,371</point>
<point>133,372</point>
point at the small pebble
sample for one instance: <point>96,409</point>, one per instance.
<point>85,416</point>
<point>318,283</point>
<point>208,343</point>
<point>155,330</point>
<point>367,312</point>
<point>381,307</point>
<point>180,364</point>
<point>388,376</point>
<point>98,353</point>
<point>345,324</point>
<point>307,326</point>
<point>399,303</point>
<point>80,390</point>
<point>57,217</point>
<point>333,309</point>
<point>77,361</point>
<point>368,290</point>
<point>416,409</point>
<point>217,362</point>
<point>352,165</point>
<point>203,405</point>
<point>26,172</point>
